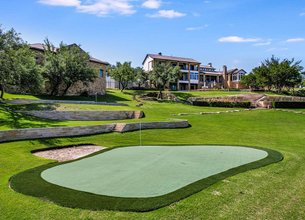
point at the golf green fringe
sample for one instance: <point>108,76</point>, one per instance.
<point>30,183</point>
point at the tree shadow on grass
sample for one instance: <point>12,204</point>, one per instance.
<point>16,120</point>
<point>110,96</point>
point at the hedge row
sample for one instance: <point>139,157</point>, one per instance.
<point>223,104</point>
<point>288,104</point>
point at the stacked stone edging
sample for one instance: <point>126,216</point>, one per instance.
<point>40,133</point>
<point>41,101</point>
<point>122,127</point>
<point>85,115</point>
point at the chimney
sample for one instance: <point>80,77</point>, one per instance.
<point>225,70</point>
<point>210,64</point>
<point>160,53</point>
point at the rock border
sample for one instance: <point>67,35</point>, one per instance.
<point>85,115</point>
<point>57,132</point>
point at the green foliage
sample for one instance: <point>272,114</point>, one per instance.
<point>30,79</point>
<point>65,66</point>
<point>76,66</point>
<point>162,74</point>
<point>282,104</point>
<point>223,104</point>
<point>251,81</point>
<point>53,67</point>
<point>17,64</point>
<point>123,73</point>
<point>141,76</point>
<point>275,73</point>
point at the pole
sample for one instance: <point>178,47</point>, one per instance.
<point>140,134</point>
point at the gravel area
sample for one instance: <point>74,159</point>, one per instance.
<point>68,153</point>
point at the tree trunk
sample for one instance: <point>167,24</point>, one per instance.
<point>160,95</point>
<point>122,86</point>
<point>1,91</point>
<point>66,89</point>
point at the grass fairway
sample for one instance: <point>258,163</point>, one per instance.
<point>276,191</point>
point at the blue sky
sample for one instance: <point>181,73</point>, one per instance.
<point>238,33</point>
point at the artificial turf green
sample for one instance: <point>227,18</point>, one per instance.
<point>241,159</point>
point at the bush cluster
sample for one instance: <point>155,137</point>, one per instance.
<point>223,104</point>
<point>288,104</point>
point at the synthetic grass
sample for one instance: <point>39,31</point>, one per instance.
<point>33,182</point>
<point>275,192</point>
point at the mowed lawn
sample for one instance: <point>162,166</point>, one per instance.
<point>276,191</point>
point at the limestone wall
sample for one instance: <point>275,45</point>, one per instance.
<point>85,115</point>
<point>40,133</point>
<point>121,127</point>
<point>42,101</point>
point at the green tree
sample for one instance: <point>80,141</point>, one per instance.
<point>76,66</point>
<point>141,76</point>
<point>276,73</point>
<point>17,64</point>
<point>251,81</point>
<point>123,73</point>
<point>66,65</point>
<point>30,78</point>
<point>162,74</point>
<point>53,67</point>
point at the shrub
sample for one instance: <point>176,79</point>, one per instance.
<point>223,104</point>
<point>288,104</point>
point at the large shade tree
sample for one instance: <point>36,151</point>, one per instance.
<point>17,64</point>
<point>275,74</point>
<point>65,66</point>
<point>162,74</point>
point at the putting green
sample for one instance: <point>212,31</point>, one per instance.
<point>150,171</point>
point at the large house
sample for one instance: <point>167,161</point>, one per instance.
<point>225,79</point>
<point>96,87</point>
<point>196,76</point>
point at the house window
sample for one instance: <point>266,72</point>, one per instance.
<point>101,72</point>
<point>194,76</point>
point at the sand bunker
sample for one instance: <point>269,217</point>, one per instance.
<point>68,153</point>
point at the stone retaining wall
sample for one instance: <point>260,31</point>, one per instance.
<point>41,101</point>
<point>40,133</point>
<point>122,127</point>
<point>85,115</point>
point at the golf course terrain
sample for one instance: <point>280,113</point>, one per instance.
<point>256,159</point>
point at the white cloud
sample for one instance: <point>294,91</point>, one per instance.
<point>277,49</point>
<point>196,28</point>
<point>295,40</point>
<point>97,7</point>
<point>237,39</point>
<point>67,3</point>
<point>167,14</point>
<point>302,14</point>
<point>152,4</point>
<point>207,2</point>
